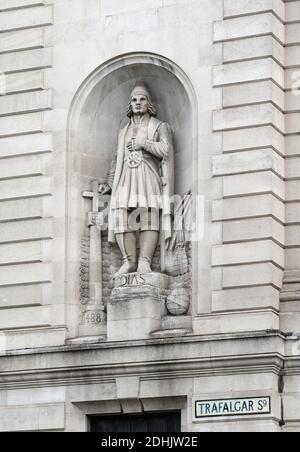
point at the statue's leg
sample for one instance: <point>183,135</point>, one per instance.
<point>127,245</point>
<point>148,244</point>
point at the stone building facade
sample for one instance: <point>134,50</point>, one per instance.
<point>230,70</point>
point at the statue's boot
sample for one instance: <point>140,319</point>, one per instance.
<point>127,245</point>
<point>148,244</point>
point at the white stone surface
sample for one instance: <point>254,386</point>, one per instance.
<point>252,25</point>
<point>248,162</point>
<point>247,298</point>
<point>22,419</point>
<point>254,183</point>
<point>25,274</point>
<point>254,48</point>
<point>253,229</point>
<point>21,296</point>
<point>25,60</point>
<point>11,4</point>
<point>249,71</point>
<point>242,253</point>
<point>29,81</point>
<point>242,7</point>
<point>252,275</point>
<point>28,39</point>
<point>28,102</point>
<point>29,144</point>
<point>252,138</point>
<point>241,57</point>
<point>30,17</point>
<point>248,207</point>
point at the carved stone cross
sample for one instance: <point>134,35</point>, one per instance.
<point>94,313</point>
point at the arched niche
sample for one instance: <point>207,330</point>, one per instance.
<point>97,113</point>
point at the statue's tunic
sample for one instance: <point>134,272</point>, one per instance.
<point>140,184</point>
<point>143,179</point>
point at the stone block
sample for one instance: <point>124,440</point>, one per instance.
<point>38,229</point>
<point>16,125</point>
<point>249,116</point>
<point>25,187</point>
<point>289,324</point>
<point>223,385</point>
<point>14,4</point>
<point>292,76</point>
<point>28,81</point>
<point>292,258</point>
<point>292,34</point>
<point>25,274</point>
<point>30,17</point>
<point>19,296</point>
<point>292,145</point>
<point>242,7</point>
<point>251,426</point>
<point>27,39</point>
<point>248,252</point>
<point>25,209</point>
<point>292,60</point>
<point>249,26</point>
<point>252,275</point>
<point>253,229</point>
<point>255,92</point>
<point>248,71</point>
<point>28,144</point>
<point>254,183</point>
<point>291,407</point>
<point>25,317</point>
<point>292,122</point>
<point>292,236</point>
<point>20,166</point>
<point>135,311</point>
<point>253,48</point>
<point>292,11</point>
<point>246,298</point>
<point>25,60</point>
<point>20,253</point>
<point>293,212</point>
<point>293,191</point>
<point>25,102</point>
<point>33,418</point>
<point>292,167</point>
<point>34,338</point>
<point>254,138</point>
<point>239,322</point>
<point>292,102</point>
<point>248,162</point>
<point>248,207</point>
<point>128,387</point>
<point>36,396</point>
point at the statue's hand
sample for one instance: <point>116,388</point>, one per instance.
<point>104,189</point>
<point>136,144</point>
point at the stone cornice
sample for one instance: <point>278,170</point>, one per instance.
<point>163,359</point>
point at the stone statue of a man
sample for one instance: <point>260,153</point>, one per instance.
<point>141,181</point>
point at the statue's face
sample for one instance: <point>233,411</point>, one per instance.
<point>139,104</point>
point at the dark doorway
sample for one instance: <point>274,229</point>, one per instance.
<point>145,423</point>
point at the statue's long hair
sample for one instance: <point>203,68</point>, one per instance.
<point>151,109</point>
